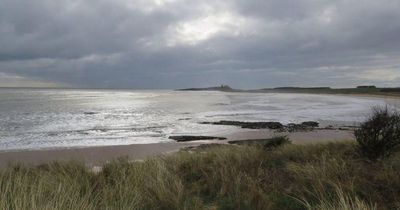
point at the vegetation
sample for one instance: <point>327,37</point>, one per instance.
<point>320,176</point>
<point>312,88</point>
<point>379,136</point>
<point>265,143</point>
<point>366,86</point>
<point>372,90</point>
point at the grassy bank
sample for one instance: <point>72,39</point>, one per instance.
<point>322,176</point>
<point>395,92</point>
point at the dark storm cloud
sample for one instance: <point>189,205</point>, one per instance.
<point>176,43</point>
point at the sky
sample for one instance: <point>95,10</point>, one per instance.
<point>248,44</point>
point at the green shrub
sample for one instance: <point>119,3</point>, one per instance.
<point>380,134</point>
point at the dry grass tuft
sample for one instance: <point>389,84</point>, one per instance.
<point>321,176</point>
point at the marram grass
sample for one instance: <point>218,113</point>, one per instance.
<point>321,176</point>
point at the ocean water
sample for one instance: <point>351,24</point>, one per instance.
<point>48,118</point>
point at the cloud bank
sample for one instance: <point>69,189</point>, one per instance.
<point>177,43</point>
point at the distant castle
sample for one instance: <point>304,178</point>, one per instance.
<point>225,86</point>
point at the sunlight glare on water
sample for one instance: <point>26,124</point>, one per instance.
<point>39,118</point>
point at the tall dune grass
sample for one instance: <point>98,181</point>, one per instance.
<point>321,176</point>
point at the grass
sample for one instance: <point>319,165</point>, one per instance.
<point>368,91</point>
<point>320,176</point>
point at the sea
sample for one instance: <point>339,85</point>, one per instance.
<point>37,119</point>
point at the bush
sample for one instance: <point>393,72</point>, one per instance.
<point>379,136</point>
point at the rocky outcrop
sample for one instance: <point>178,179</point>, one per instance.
<point>291,127</point>
<point>310,124</point>
<point>90,113</point>
<point>304,126</point>
<point>266,143</point>
<point>195,138</point>
<point>249,125</point>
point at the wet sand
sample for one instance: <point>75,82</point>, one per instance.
<point>90,155</point>
<point>94,156</point>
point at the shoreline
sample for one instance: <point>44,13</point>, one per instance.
<point>98,155</point>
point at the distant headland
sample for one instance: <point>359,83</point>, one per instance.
<point>216,88</point>
<point>370,89</point>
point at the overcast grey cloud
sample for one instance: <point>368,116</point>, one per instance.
<point>177,43</point>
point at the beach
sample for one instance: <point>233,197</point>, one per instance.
<point>92,130</point>
<point>257,149</point>
<point>96,156</point>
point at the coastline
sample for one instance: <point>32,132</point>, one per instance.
<point>95,156</point>
<point>363,95</point>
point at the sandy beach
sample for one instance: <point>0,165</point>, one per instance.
<point>97,155</point>
<point>94,156</point>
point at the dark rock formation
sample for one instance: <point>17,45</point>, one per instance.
<point>250,125</point>
<point>310,124</point>
<point>266,143</point>
<point>304,126</point>
<point>188,118</point>
<point>291,127</point>
<point>195,138</point>
<point>90,113</point>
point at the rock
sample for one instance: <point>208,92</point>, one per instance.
<point>258,125</point>
<point>293,127</point>
<point>188,118</point>
<point>304,126</point>
<point>249,125</point>
<point>310,124</point>
<point>195,138</point>
<point>90,113</point>
<point>266,143</point>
